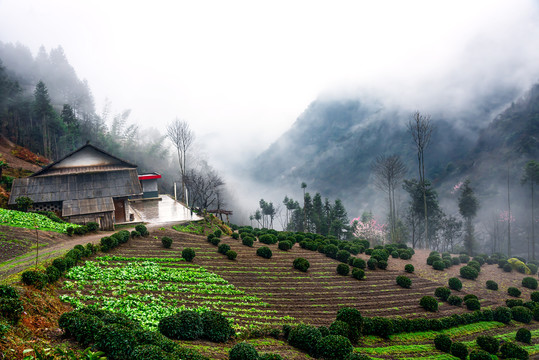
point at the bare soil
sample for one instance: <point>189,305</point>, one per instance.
<point>14,162</point>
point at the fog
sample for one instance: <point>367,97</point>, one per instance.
<point>241,73</point>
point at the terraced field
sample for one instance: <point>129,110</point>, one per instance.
<point>148,282</point>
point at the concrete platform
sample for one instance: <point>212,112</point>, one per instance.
<point>163,209</point>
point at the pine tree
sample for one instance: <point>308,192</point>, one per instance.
<point>468,206</point>
<point>44,113</point>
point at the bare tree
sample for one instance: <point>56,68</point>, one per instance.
<point>421,128</point>
<point>388,171</point>
<point>204,186</point>
<point>182,137</point>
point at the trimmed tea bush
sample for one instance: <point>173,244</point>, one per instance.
<point>284,245</point>
<point>502,314</point>
<point>216,327</point>
<point>475,264</point>
<point>36,278</point>
<point>524,335</point>
<point>522,314</point>
<point>442,293</point>
<point>350,316</point>
<point>507,267</point>
<point>301,264</point>
<point>358,273</point>
<point>264,252</point>
<point>381,264</point>
<point>513,291</point>
<point>455,284</point>
<point>248,241</point>
<point>443,343</point>
<point>223,248</point>
<point>459,350</point>
<point>404,281</point>
<point>116,341</point>
<point>492,285</point>
<point>53,274</point>
<point>529,282</point>
<point>231,255</point>
<point>405,255</point>
<point>488,343</point>
<point>472,304</point>
<point>143,231</point>
<point>429,303</point>
<point>470,296</point>
<point>185,325</point>
<point>343,256</point>
<point>438,265</point>
<point>511,303</point>
<point>167,242</point>
<point>339,327</point>
<point>304,337</point>
<point>454,300</point>
<point>409,268</point>
<point>243,351</point>
<point>188,254</point>
<point>469,272</point>
<point>358,263</point>
<point>343,269</point>
<point>333,347</point>
<point>371,263</point>
<point>510,350</point>
<point>534,296</point>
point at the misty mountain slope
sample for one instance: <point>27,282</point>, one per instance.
<point>504,146</point>
<point>332,144</point>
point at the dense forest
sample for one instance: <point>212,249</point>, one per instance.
<point>47,109</point>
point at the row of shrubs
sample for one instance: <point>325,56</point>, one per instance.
<point>489,346</point>
<point>82,230</point>
<point>349,325</point>
<point>191,325</point>
<point>59,266</point>
<point>120,337</point>
<point>330,343</point>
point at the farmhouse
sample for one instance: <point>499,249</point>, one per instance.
<point>86,185</point>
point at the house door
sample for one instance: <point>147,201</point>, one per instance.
<point>119,210</point>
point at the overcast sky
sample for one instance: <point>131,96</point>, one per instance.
<point>240,72</point>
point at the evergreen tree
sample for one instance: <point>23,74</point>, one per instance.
<point>339,219</point>
<point>468,206</point>
<point>44,114</point>
<point>317,216</point>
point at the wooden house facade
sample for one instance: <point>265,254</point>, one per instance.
<point>86,185</point>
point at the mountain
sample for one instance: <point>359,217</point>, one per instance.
<point>332,144</point>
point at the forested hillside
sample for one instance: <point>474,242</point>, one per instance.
<point>46,108</point>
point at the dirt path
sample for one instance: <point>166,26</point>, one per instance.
<point>18,250</point>
<point>22,252</point>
